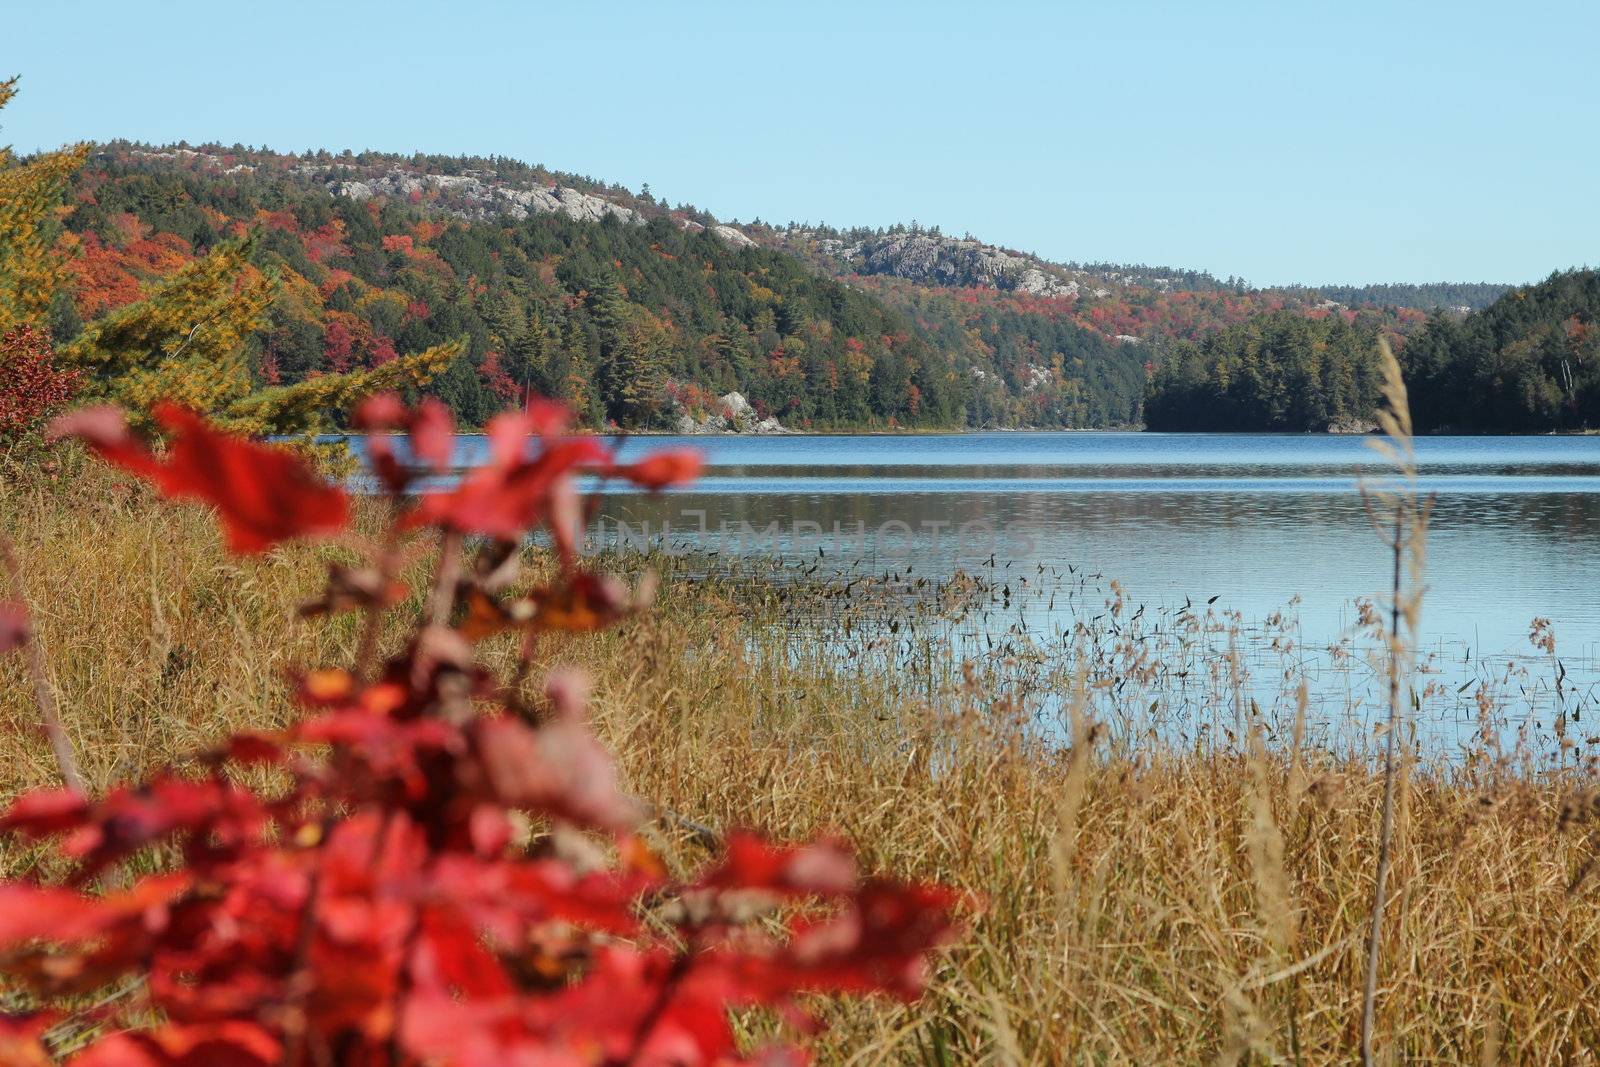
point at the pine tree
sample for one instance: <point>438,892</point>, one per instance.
<point>634,350</point>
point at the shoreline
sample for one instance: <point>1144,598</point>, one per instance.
<point>339,435</point>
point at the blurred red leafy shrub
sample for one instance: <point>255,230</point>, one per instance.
<point>31,387</point>
<point>378,904</point>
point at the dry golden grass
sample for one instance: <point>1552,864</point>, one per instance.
<point>1182,908</point>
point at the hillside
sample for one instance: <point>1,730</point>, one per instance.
<point>637,314</point>
<point>1527,363</point>
<point>642,314</point>
<point>1530,362</point>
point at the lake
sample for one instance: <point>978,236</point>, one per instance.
<point>1262,523</point>
<point>1251,519</point>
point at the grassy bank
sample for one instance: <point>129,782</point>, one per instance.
<point>1144,902</point>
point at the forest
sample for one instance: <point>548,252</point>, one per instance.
<point>644,315</point>
<point>1277,372</point>
<point>630,323</point>
<point>1527,363</point>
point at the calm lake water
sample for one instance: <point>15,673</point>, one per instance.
<point>1253,521</point>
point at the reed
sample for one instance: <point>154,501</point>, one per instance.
<point>1400,517</point>
<point>1172,870</point>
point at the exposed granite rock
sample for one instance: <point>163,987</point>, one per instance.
<point>934,259</point>
<point>736,415</point>
<point>735,238</point>
<point>1352,425</point>
<point>736,407</point>
<point>470,197</point>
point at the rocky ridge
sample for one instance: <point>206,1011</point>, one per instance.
<point>470,197</point>
<point>931,258</point>
<point>478,193</point>
<point>481,189</point>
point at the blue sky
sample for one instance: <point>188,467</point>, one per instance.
<point>1282,142</point>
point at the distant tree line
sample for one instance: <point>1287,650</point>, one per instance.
<point>1281,372</point>
<point>1528,363</point>
<point>1432,296</point>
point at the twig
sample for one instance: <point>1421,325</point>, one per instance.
<point>681,966</point>
<point>1408,515</point>
<point>301,977</point>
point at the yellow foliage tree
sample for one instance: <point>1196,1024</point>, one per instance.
<point>33,266</point>
<point>305,407</point>
<point>186,341</point>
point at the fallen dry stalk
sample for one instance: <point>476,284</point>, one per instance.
<point>44,696</point>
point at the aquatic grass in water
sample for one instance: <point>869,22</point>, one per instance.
<point>1157,675</point>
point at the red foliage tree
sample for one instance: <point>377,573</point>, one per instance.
<point>373,905</point>
<point>494,375</point>
<point>31,388</point>
<point>381,350</point>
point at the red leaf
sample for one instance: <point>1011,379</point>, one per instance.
<point>20,1044</point>
<point>29,912</point>
<point>45,812</point>
<point>264,495</point>
<point>48,913</point>
<point>381,411</point>
<point>511,493</point>
<point>664,469</point>
<point>252,749</point>
<point>547,418</point>
<point>502,897</point>
<point>583,603</point>
<point>560,769</point>
<point>105,430</point>
<point>217,815</point>
<point>433,434</point>
<point>224,1044</point>
<point>388,749</point>
<point>879,942</point>
<point>751,863</point>
<point>450,958</point>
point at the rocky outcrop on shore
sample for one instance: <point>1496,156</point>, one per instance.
<point>735,414</point>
